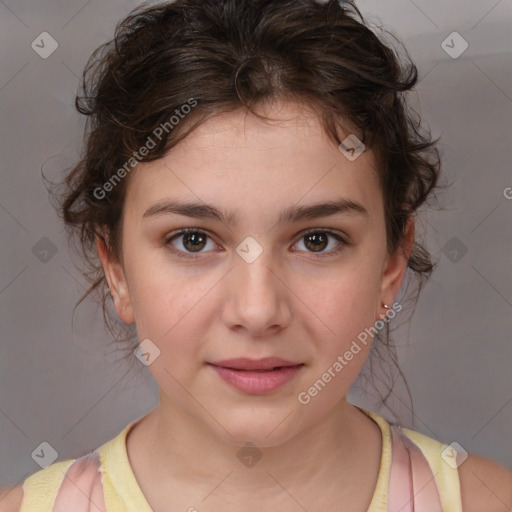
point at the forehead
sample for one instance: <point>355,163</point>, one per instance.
<point>236,159</point>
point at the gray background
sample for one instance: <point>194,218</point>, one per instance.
<point>62,386</point>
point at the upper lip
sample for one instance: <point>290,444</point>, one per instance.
<point>243,363</point>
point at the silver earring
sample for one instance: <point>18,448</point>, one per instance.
<point>383,315</point>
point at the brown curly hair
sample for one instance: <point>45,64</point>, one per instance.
<point>233,54</point>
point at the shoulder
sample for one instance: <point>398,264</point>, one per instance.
<point>37,492</point>
<point>485,485</point>
<point>11,498</point>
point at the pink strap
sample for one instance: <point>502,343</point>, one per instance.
<point>81,489</point>
<point>412,487</point>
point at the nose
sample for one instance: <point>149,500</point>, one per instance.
<point>257,299</point>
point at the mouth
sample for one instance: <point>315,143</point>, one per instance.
<point>256,376</point>
<point>264,365</point>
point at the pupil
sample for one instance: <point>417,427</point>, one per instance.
<point>318,240</point>
<point>196,240</point>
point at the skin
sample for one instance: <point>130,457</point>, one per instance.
<point>290,302</point>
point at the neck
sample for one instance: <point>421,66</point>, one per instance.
<point>333,453</point>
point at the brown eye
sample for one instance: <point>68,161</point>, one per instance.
<point>316,241</point>
<point>319,240</point>
<point>194,241</point>
<point>190,241</point>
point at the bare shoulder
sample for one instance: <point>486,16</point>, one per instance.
<point>11,498</point>
<point>485,485</point>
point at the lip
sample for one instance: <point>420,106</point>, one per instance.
<point>244,363</point>
<point>256,376</point>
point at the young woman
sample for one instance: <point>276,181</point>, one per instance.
<point>248,195</point>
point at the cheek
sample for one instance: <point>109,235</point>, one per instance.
<point>340,329</point>
<point>340,318</point>
<point>164,306</point>
<point>344,303</point>
<point>168,301</point>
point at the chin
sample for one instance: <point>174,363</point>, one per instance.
<point>261,430</point>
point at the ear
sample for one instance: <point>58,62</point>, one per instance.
<point>396,265</point>
<point>116,280</point>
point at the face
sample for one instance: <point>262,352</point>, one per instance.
<point>285,257</point>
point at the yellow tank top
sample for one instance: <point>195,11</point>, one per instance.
<point>123,494</point>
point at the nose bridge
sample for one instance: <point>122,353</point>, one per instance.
<point>255,278</point>
<point>257,298</point>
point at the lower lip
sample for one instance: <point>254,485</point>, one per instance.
<point>257,383</point>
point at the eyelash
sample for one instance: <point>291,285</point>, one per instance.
<point>342,242</point>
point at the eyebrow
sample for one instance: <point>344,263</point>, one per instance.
<point>230,218</point>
